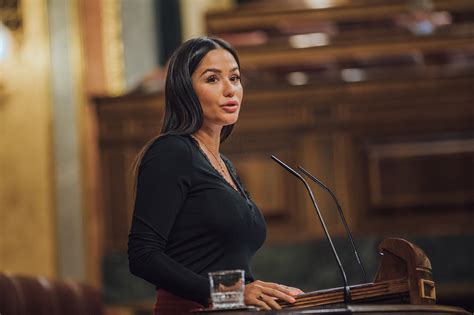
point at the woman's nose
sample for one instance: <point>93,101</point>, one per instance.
<point>229,88</point>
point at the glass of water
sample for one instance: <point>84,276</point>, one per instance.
<point>227,288</point>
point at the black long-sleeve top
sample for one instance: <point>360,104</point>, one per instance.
<point>189,221</point>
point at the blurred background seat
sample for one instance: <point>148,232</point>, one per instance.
<point>25,295</point>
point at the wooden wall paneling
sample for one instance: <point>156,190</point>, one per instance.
<point>115,213</point>
<point>418,102</point>
<point>248,17</point>
<point>271,115</point>
<point>309,220</point>
<point>357,183</point>
<point>416,202</point>
<point>344,177</point>
<point>319,158</point>
<point>117,169</point>
<point>365,103</point>
<point>441,172</point>
<point>263,58</point>
<point>309,143</point>
<point>428,110</point>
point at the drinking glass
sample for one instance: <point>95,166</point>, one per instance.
<point>227,288</point>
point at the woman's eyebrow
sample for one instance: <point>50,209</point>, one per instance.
<point>217,70</point>
<point>211,70</point>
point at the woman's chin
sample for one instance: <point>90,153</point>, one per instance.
<point>230,119</point>
<point>227,120</point>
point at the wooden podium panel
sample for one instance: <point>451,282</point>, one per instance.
<point>393,309</point>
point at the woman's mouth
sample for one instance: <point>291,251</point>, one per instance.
<point>231,106</point>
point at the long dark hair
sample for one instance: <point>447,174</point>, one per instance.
<point>183,112</point>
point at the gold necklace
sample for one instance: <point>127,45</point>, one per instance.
<point>218,160</point>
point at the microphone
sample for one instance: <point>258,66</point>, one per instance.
<point>341,215</point>
<point>347,292</point>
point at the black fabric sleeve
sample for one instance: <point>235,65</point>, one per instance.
<point>163,182</point>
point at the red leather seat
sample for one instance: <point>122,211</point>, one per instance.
<point>70,298</point>
<point>27,295</point>
<point>11,297</point>
<point>38,295</point>
<point>92,301</point>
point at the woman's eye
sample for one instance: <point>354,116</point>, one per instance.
<point>211,79</point>
<point>235,78</point>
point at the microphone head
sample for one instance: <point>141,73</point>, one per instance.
<point>289,169</point>
<point>274,158</point>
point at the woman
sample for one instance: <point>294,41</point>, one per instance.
<point>192,214</point>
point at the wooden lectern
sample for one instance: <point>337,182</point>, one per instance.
<point>404,276</point>
<point>403,284</point>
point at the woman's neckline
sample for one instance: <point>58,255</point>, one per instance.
<point>237,187</point>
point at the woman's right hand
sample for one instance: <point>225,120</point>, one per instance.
<point>263,294</point>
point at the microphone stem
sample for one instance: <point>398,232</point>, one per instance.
<point>347,293</point>
<point>341,214</point>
